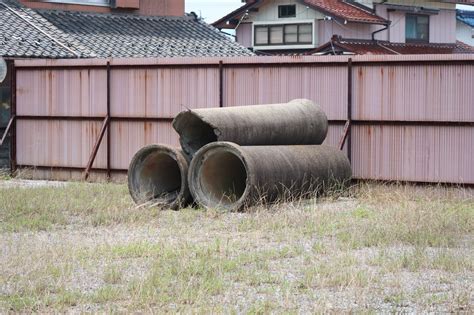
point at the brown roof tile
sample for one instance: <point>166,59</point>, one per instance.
<point>346,10</point>
<point>369,47</point>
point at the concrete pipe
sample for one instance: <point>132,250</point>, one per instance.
<point>158,174</point>
<point>297,122</point>
<point>228,176</point>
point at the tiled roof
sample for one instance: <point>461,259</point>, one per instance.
<point>23,33</point>
<point>369,47</point>
<point>70,34</point>
<point>346,10</point>
<point>466,17</point>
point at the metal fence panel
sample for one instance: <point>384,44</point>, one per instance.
<point>414,92</point>
<point>325,85</point>
<point>413,115</point>
<point>59,143</point>
<point>62,92</point>
<point>414,153</point>
<point>162,92</point>
<point>129,137</point>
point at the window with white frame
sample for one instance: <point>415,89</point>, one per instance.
<point>105,3</point>
<point>283,34</point>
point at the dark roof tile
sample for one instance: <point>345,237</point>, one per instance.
<point>78,34</point>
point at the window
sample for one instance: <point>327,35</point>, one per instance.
<point>288,34</point>
<point>261,35</point>
<point>83,2</point>
<point>286,11</point>
<point>417,28</point>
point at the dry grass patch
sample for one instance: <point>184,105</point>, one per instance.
<point>372,249</point>
<point>44,208</point>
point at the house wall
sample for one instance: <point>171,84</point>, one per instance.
<point>244,34</point>
<point>147,7</point>
<point>402,128</point>
<point>396,30</point>
<point>268,14</point>
<point>328,28</point>
<point>442,25</point>
<point>464,33</point>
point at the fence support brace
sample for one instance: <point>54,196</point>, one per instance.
<point>104,128</point>
<point>9,126</point>
<point>345,133</point>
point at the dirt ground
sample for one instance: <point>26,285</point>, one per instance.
<point>81,247</point>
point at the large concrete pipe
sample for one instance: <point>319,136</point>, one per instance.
<point>228,176</point>
<point>158,174</point>
<point>297,122</point>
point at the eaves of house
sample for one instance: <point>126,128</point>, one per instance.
<point>29,33</point>
<point>344,11</point>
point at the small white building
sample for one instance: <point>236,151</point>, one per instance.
<point>465,27</point>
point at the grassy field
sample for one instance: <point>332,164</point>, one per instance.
<point>377,248</point>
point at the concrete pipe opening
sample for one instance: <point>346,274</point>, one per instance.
<point>195,132</point>
<point>219,178</point>
<point>158,174</point>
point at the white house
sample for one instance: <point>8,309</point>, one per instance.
<point>379,26</point>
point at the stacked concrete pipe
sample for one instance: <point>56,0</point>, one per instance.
<point>297,122</point>
<point>240,156</point>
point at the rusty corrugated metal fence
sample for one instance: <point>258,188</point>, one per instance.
<point>412,117</point>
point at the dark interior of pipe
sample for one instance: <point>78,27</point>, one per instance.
<point>195,133</point>
<point>223,178</point>
<point>158,178</point>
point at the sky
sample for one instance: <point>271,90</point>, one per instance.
<point>212,10</point>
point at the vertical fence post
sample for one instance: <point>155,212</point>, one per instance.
<point>109,131</point>
<point>13,157</point>
<point>221,83</point>
<point>349,109</point>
